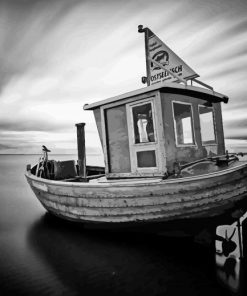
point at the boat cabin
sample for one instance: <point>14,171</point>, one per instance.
<point>149,131</point>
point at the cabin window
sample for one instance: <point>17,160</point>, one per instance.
<point>146,159</point>
<point>207,125</point>
<point>183,123</point>
<point>143,123</point>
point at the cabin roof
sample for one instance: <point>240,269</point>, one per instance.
<point>194,91</point>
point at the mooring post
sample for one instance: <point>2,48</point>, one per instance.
<point>81,149</point>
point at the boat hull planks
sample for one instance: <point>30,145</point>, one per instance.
<point>144,201</point>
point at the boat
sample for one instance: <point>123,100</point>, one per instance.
<point>166,165</point>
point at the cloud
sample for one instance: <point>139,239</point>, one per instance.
<point>5,147</point>
<point>25,26</point>
<point>235,128</point>
<point>57,55</point>
<point>237,123</point>
<point>31,125</point>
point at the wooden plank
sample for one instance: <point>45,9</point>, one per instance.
<point>190,202</point>
<point>134,206</point>
<point>203,209</point>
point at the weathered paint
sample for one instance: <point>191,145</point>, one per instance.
<point>189,153</point>
<point>157,146</point>
<point>97,118</point>
<point>163,200</point>
<point>117,140</point>
<point>116,150</point>
<point>114,122</point>
<point>39,186</point>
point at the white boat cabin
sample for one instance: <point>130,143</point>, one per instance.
<point>147,132</point>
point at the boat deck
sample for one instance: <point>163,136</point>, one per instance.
<point>202,169</point>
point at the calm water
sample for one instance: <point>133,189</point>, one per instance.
<point>42,255</point>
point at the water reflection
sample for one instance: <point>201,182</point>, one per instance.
<point>100,263</point>
<point>42,255</point>
<point>230,256</point>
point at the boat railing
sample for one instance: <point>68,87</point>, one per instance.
<point>219,160</point>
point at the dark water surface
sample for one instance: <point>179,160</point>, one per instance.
<point>42,255</point>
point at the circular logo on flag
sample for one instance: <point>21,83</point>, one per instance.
<point>161,57</point>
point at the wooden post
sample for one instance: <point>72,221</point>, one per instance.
<point>81,149</point>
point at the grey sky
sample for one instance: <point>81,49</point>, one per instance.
<point>55,56</point>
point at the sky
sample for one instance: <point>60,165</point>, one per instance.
<point>56,56</point>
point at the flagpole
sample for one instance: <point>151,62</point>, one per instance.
<point>145,31</point>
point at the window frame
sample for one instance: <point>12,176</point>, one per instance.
<point>192,125</point>
<point>214,126</point>
<point>136,104</point>
<point>157,146</point>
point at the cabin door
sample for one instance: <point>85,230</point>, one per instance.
<point>144,138</point>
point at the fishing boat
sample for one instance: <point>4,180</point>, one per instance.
<point>166,166</point>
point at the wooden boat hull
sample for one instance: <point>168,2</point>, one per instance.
<point>145,201</point>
